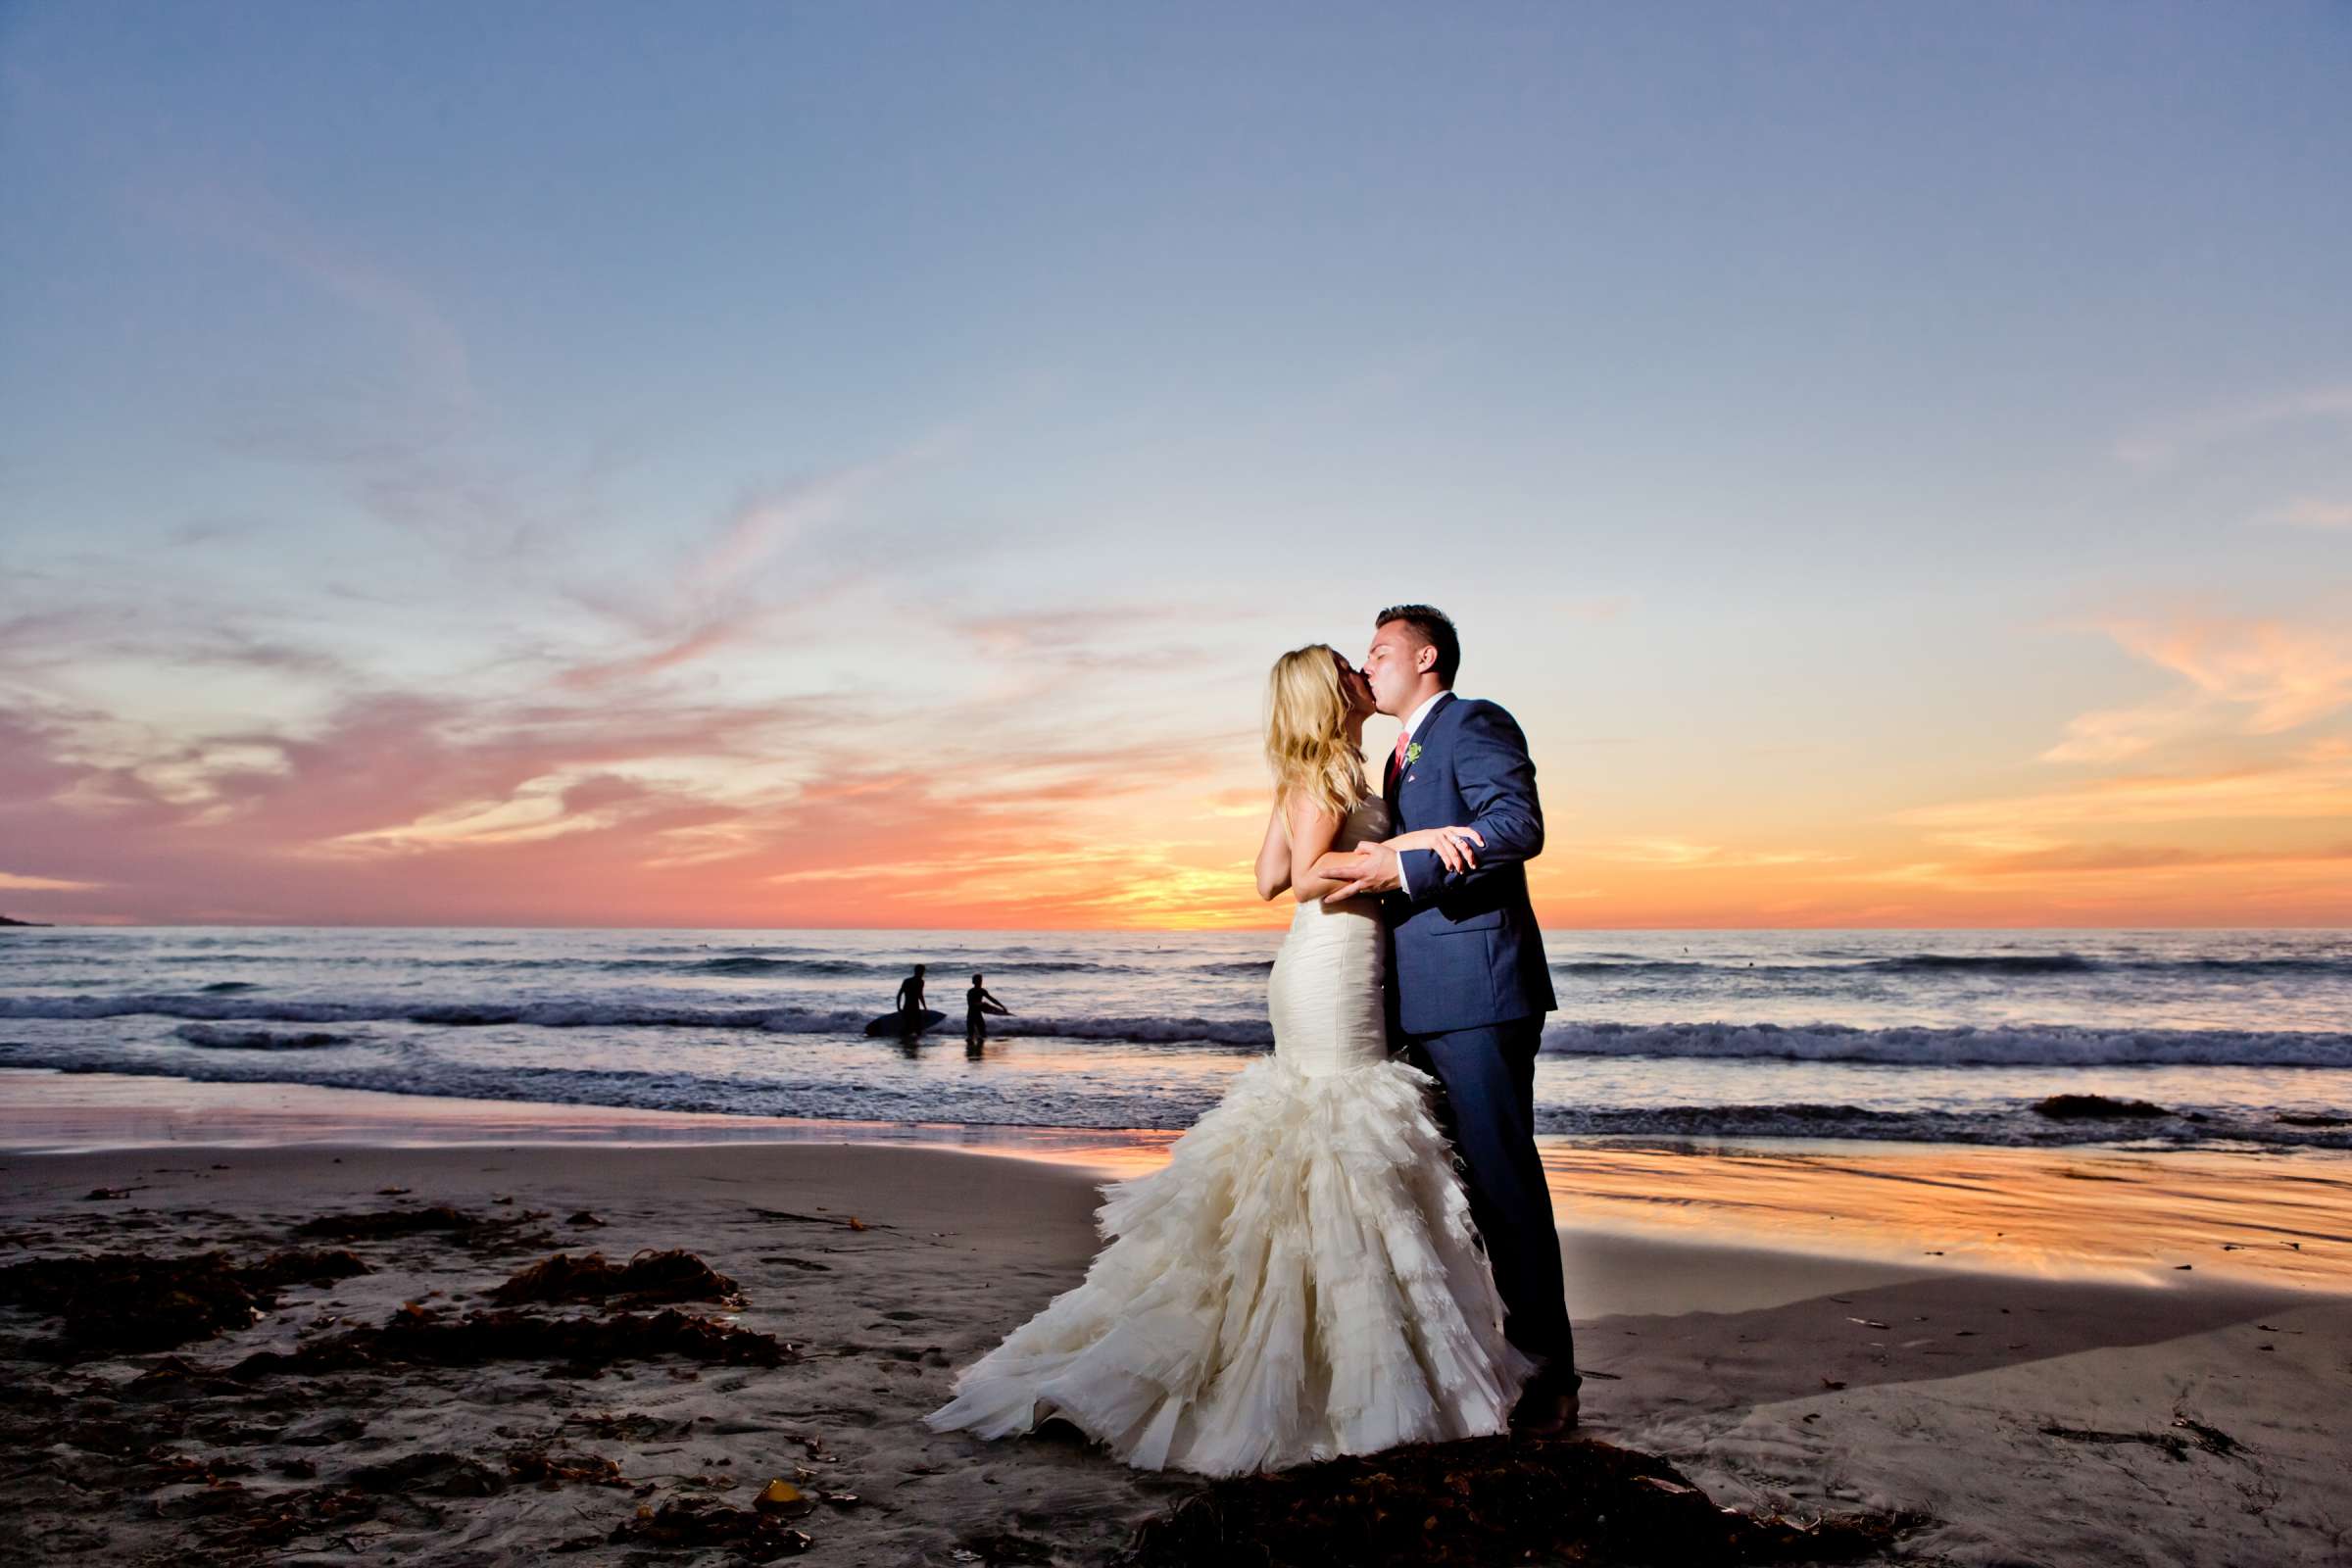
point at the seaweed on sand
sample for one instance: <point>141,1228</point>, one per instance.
<point>1481,1501</point>
<point>416,1337</point>
<point>648,1278</point>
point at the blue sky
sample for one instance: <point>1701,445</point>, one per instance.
<point>1811,412</point>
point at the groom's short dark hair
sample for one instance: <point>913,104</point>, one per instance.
<point>1431,626</point>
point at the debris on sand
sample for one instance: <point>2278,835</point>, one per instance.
<point>782,1497</point>
<point>2213,1440</point>
<point>647,1279</point>
<point>2083,1107</point>
<point>2205,1438</point>
<point>704,1522</point>
<point>2174,1445</point>
<point>254,1520</point>
<point>132,1302</point>
<point>629,1426</point>
<point>1486,1500</point>
<point>547,1471</point>
<point>418,1337</point>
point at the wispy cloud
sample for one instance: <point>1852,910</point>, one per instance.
<point>165,627</point>
<point>1681,855</point>
<point>2314,783</point>
<point>766,523</point>
<point>241,213</point>
<point>2135,857</point>
<point>2169,442</point>
<point>2236,781</point>
<point>2253,678</point>
<point>44,884</point>
<point>726,594</point>
<point>2122,872</point>
<point>2312,512</point>
<point>674,648</point>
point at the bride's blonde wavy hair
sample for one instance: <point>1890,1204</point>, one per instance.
<point>1306,731</point>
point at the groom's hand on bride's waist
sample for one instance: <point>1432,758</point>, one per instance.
<point>1374,869</point>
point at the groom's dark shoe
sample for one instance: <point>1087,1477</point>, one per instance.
<point>1545,1412</point>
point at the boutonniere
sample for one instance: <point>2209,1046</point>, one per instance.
<point>1412,753</point>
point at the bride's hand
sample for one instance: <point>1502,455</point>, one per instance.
<point>1452,844</point>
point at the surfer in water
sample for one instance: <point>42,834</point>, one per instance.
<point>911,993</point>
<point>977,1006</point>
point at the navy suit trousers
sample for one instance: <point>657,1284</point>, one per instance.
<point>1488,1111</point>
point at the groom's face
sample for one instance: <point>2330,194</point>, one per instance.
<point>1394,667</point>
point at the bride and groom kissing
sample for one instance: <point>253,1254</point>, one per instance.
<point>1354,1247</point>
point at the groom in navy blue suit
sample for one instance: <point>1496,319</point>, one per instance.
<point>1468,978</point>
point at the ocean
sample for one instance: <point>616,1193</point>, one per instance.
<point>2244,1038</point>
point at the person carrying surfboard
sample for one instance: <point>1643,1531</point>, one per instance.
<point>910,991</point>
<point>907,1018</point>
<point>977,1004</point>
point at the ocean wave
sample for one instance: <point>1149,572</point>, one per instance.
<point>585,1015</point>
<point>1987,963</point>
<point>2030,1047</point>
<point>1141,1031</point>
<point>548,1014</point>
<point>2035,1046</point>
<point>753,964</point>
<point>761,964</point>
<point>222,1037</point>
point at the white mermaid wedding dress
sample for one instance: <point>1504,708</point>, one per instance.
<point>1302,1280</point>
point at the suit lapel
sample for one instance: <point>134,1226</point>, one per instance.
<point>1430,723</point>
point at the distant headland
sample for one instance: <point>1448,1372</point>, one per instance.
<point>5,920</point>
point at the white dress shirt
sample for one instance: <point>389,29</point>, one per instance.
<point>1412,723</point>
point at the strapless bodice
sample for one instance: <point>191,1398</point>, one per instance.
<point>1325,993</point>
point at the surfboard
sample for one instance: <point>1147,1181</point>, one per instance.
<point>905,1023</point>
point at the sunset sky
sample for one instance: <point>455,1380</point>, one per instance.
<point>852,465</point>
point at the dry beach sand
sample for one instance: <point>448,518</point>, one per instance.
<point>2187,1417</point>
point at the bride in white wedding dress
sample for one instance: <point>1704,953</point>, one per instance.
<point>1302,1280</point>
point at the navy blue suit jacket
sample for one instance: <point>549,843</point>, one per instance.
<point>1467,949</point>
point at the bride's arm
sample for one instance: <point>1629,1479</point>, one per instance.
<point>1274,857</point>
<point>1456,848</point>
<point>1312,831</point>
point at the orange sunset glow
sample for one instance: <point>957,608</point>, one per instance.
<point>2224,796</point>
